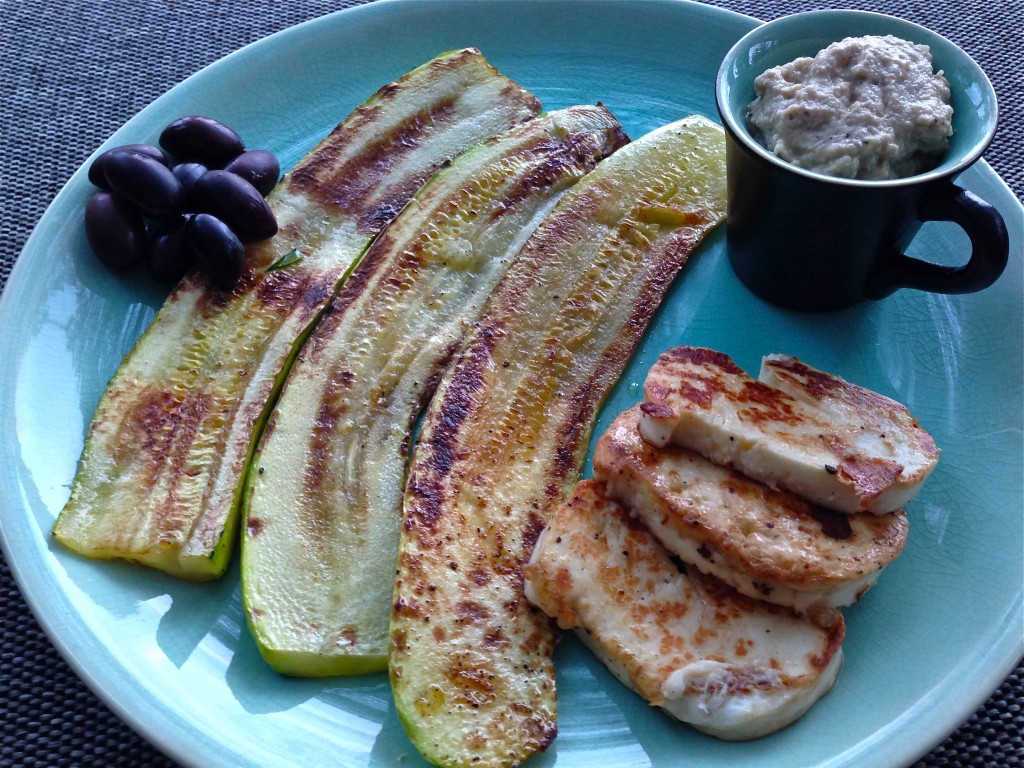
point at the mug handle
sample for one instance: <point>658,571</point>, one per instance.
<point>990,248</point>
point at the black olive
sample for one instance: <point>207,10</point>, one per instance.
<point>97,172</point>
<point>188,174</point>
<point>217,248</point>
<point>170,255</point>
<point>115,230</point>
<point>202,140</point>
<point>257,166</point>
<point>145,182</point>
<point>237,203</point>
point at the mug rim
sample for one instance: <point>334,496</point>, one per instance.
<point>735,125</point>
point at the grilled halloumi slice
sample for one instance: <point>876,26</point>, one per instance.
<point>767,544</point>
<point>800,429</point>
<point>730,666</point>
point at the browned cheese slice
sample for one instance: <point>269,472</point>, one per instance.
<point>767,544</point>
<point>834,443</point>
<point>732,667</point>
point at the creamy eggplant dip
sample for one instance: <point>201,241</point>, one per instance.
<point>863,108</point>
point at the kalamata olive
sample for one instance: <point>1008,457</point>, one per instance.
<point>203,140</point>
<point>257,166</point>
<point>237,203</point>
<point>188,174</point>
<point>170,255</point>
<point>217,248</point>
<point>146,183</point>
<point>115,230</point>
<point>97,173</point>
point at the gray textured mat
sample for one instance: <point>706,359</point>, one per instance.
<point>72,72</point>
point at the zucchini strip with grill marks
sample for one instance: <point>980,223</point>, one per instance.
<point>505,436</point>
<point>324,499</point>
<point>162,470</point>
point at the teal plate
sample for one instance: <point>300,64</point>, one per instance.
<point>175,660</point>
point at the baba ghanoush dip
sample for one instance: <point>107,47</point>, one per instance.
<point>863,108</point>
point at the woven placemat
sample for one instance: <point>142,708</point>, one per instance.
<point>72,72</point>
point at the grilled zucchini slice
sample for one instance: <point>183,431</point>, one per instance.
<point>504,439</point>
<point>324,502</point>
<point>161,473</point>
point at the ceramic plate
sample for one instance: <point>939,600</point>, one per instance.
<point>924,648</point>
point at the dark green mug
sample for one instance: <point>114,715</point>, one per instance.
<point>807,241</point>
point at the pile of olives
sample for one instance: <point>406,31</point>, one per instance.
<point>201,204</point>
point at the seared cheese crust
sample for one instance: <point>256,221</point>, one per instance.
<point>832,442</point>
<point>768,544</point>
<point>732,667</point>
